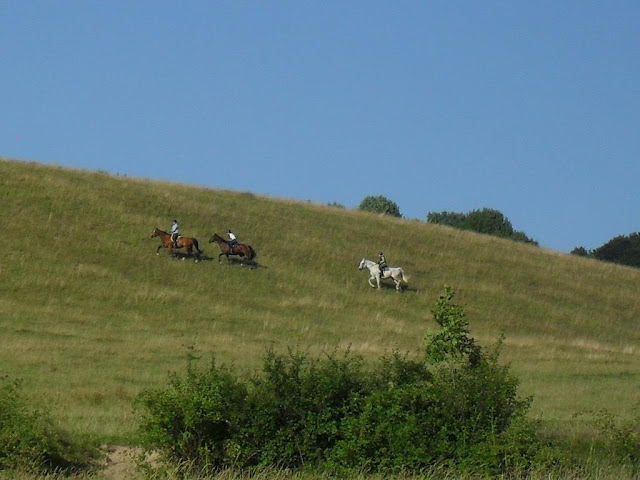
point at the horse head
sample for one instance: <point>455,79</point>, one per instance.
<point>216,238</point>
<point>155,232</point>
<point>362,265</point>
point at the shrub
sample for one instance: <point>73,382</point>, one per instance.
<point>193,419</point>
<point>452,343</point>
<point>380,204</point>
<point>581,252</point>
<point>486,220</point>
<point>623,249</point>
<point>463,420</point>
<point>395,429</point>
<point>294,412</point>
<point>29,439</point>
<point>452,405</point>
<point>622,439</point>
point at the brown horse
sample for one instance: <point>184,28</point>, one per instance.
<point>188,243</point>
<point>245,251</point>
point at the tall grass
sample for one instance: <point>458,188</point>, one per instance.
<point>90,316</point>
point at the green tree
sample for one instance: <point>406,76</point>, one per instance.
<point>452,343</point>
<point>581,252</point>
<point>487,220</point>
<point>380,204</point>
<point>450,219</point>
<point>623,249</point>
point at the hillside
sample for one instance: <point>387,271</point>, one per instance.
<point>90,315</point>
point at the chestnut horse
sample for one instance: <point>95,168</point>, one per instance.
<point>245,251</point>
<point>187,243</point>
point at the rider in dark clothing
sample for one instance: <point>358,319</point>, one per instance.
<point>382,263</point>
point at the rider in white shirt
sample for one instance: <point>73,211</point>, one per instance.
<point>175,231</point>
<point>232,239</point>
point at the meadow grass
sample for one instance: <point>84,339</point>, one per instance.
<point>91,316</point>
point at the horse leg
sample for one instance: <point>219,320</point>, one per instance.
<point>158,249</point>
<point>220,261</point>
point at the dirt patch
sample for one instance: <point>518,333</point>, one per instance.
<point>120,462</point>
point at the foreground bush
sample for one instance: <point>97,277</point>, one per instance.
<point>621,439</point>
<point>30,441</point>
<point>463,411</point>
<point>296,408</point>
<point>452,405</point>
<point>194,418</point>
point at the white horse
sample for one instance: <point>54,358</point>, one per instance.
<point>395,273</point>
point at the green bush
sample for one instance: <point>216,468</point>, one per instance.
<point>380,204</point>
<point>458,419</point>
<point>453,404</point>
<point>29,439</point>
<point>395,429</point>
<point>295,410</point>
<point>193,420</point>
<point>486,220</point>
<point>623,249</point>
<point>622,439</point>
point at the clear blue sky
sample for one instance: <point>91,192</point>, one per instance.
<point>531,108</point>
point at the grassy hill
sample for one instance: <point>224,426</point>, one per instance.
<point>90,315</point>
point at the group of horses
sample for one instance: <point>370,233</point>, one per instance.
<point>192,247</point>
<point>247,253</point>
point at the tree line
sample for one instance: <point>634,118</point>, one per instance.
<point>622,249</point>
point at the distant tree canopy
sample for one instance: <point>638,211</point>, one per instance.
<point>580,252</point>
<point>380,204</point>
<point>623,249</point>
<point>487,221</point>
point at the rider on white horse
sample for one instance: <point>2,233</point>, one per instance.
<point>382,263</point>
<point>375,275</point>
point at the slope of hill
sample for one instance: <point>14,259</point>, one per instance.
<point>90,315</point>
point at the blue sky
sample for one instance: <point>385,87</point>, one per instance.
<point>531,108</point>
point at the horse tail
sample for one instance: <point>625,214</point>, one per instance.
<point>405,277</point>
<point>252,253</point>
<point>195,244</point>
